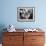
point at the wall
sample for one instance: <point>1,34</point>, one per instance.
<point>8,14</point>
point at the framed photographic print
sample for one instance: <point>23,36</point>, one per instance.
<point>26,14</point>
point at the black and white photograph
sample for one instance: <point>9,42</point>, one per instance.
<point>25,14</point>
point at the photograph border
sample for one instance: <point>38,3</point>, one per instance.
<point>26,20</point>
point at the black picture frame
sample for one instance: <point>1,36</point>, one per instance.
<point>26,14</point>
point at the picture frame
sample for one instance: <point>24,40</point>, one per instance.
<point>26,14</point>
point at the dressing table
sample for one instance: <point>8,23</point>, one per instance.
<point>22,38</point>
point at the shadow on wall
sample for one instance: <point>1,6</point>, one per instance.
<point>2,26</point>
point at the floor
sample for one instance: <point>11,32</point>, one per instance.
<point>1,45</point>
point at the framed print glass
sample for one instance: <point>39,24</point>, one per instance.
<point>26,14</point>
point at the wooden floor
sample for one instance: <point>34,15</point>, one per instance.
<point>1,45</point>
